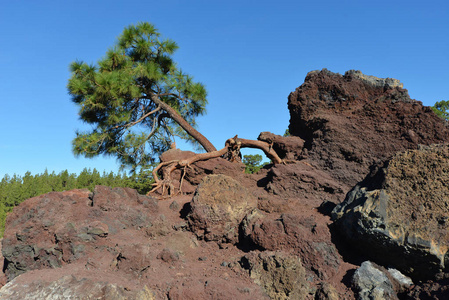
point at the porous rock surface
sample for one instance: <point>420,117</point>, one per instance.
<point>402,209</point>
<point>117,244</point>
<point>218,207</point>
<point>236,236</point>
<point>280,274</point>
<point>350,121</point>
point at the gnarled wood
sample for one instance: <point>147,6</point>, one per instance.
<point>231,150</point>
<point>207,145</point>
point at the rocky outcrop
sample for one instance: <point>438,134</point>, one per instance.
<point>302,181</point>
<point>115,244</point>
<point>77,225</point>
<point>402,209</point>
<point>350,121</point>
<point>267,235</point>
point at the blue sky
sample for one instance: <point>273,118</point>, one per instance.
<point>249,54</point>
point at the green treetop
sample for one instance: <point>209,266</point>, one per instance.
<point>441,109</point>
<point>136,100</point>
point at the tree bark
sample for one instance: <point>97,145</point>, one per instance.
<point>264,146</point>
<point>232,146</point>
<point>207,145</point>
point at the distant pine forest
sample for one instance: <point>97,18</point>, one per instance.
<point>15,189</point>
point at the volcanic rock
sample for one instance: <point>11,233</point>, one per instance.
<point>302,235</point>
<point>402,209</point>
<point>438,289</point>
<point>326,291</point>
<point>350,121</point>
<point>55,229</point>
<point>69,287</point>
<point>302,181</point>
<point>372,283</point>
<point>281,275</point>
<point>287,147</point>
<point>114,244</point>
<point>263,235</point>
<point>219,205</point>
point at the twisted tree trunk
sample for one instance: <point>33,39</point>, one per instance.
<point>230,151</point>
<point>207,145</point>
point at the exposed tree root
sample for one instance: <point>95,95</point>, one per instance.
<point>231,151</point>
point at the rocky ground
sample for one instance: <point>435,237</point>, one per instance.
<point>359,212</point>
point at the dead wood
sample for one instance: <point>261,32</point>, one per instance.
<point>231,151</point>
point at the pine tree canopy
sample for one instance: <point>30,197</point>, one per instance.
<point>441,108</point>
<point>136,100</point>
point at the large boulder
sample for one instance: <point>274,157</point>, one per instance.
<point>281,275</point>
<point>350,121</point>
<point>218,207</point>
<point>399,214</point>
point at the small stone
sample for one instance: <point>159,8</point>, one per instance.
<point>168,256</point>
<point>174,206</point>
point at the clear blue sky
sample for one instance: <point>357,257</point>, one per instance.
<point>249,54</point>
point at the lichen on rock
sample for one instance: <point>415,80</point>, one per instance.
<point>401,209</point>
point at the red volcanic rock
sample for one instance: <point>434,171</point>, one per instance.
<point>305,235</point>
<point>287,147</point>
<point>56,229</point>
<point>240,236</point>
<point>115,244</point>
<point>350,121</point>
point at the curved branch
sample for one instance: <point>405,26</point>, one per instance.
<point>264,146</point>
<point>140,119</point>
<point>232,146</point>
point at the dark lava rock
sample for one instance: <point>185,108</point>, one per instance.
<point>399,214</point>
<point>350,121</point>
<point>430,290</point>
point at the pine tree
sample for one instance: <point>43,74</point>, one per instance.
<point>137,100</point>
